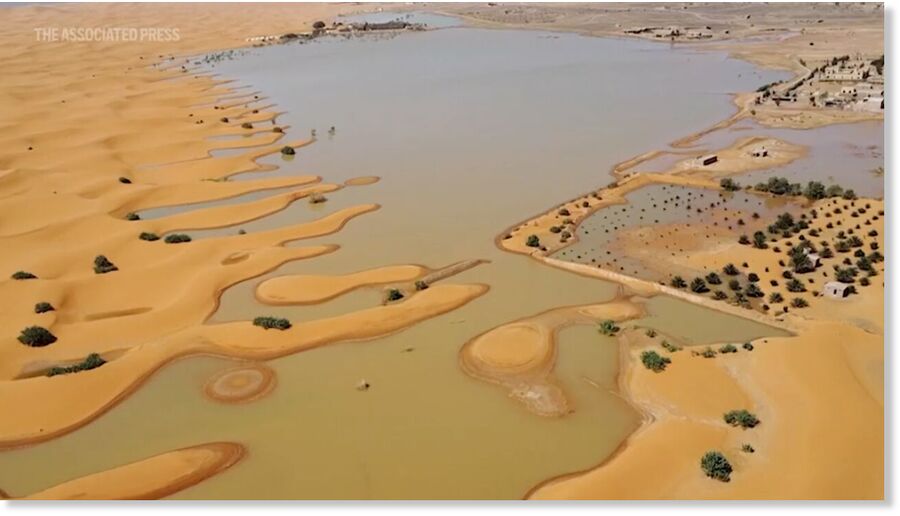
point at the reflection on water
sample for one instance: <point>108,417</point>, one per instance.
<point>470,131</point>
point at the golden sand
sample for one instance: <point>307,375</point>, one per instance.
<point>307,289</point>
<point>149,479</point>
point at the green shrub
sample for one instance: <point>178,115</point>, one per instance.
<point>555,229</point>
<point>651,333</point>
<point>421,285</point>
<point>728,348</point>
<point>132,216</point>
<point>102,265</point>
<point>272,323</point>
<point>708,353</point>
<point>671,348</point>
<point>36,336</point>
<point>731,270</point>
<point>742,418</point>
<point>795,285</point>
<point>287,150</point>
<point>720,295</point>
<point>92,361</point>
<point>564,212</point>
<point>753,290</point>
<point>713,279</point>
<point>744,240</point>
<point>150,237</point>
<point>746,448</point>
<point>716,466</point>
<point>608,327</point>
<point>533,241</point>
<point>43,307</point>
<point>177,238</point>
<point>654,361</point>
<point>22,275</point>
<point>799,302</point>
<point>748,346</point>
<point>394,295</point>
<point>678,282</point>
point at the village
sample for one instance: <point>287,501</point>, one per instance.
<point>851,83</point>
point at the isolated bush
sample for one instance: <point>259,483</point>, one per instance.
<point>728,348</point>
<point>799,302</point>
<point>742,418</point>
<point>748,346</point>
<point>102,265</point>
<point>716,466</point>
<point>132,216</point>
<point>678,282</point>
<point>394,295</point>
<point>746,448</point>
<point>150,237</point>
<point>287,150</point>
<point>43,307</point>
<point>36,336</point>
<point>654,361</point>
<point>272,323</point>
<point>177,238</point>
<point>125,180</point>
<point>22,275</point>
<point>608,327</point>
<point>533,241</point>
<point>421,285</point>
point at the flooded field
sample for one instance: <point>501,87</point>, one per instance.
<point>470,131</point>
<point>668,220</point>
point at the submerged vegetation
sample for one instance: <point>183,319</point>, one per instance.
<point>608,327</point>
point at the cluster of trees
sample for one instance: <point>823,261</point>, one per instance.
<point>814,189</point>
<point>92,361</point>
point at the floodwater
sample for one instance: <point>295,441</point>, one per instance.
<point>471,131</point>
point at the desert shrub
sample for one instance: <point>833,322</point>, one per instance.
<point>247,125</point>
<point>394,295</point>
<point>125,180</point>
<point>708,353</point>
<point>720,295</point>
<point>132,216</point>
<point>742,418</point>
<point>533,241</point>
<point>864,282</point>
<point>43,307</point>
<point>555,229</point>
<point>654,361</point>
<point>748,346</point>
<point>846,275</point>
<point>36,336</point>
<point>746,448</point>
<point>102,265</point>
<point>759,240</point>
<point>22,275</point>
<point>716,466</point>
<point>744,240</point>
<point>608,327</point>
<point>651,333</point>
<point>731,270</point>
<point>92,361</point>
<point>150,237</point>
<point>795,285</point>
<point>671,348</point>
<point>776,297</point>
<point>799,302</point>
<point>678,282</point>
<point>734,285</point>
<point>753,277</point>
<point>287,150</point>
<point>728,348</point>
<point>317,198</point>
<point>564,212</point>
<point>421,285</point>
<point>713,279</point>
<point>177,238</point>
<point>272,323</point>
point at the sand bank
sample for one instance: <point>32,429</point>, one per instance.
<point>149,479</point>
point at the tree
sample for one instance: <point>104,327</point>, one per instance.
<point>776,297</point>
<point>759,240</point>
<point>533,241</point>
<point>272,323</point>
<point>698,286</point>
<point>713,279</point>
<point>742,418</point>
<point>102,265</point>
<point>394,295</point>
<point>678,282</point>
<point>795,285</point>
<point>729,185</point>
<point>814,190</point>
<point>731,270</point>
<point>654,361</point>
<point>716,466</point>
<point>754,291</point>
<point>801,261</point>
<point>608,327</point>
<point>36,337</point>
